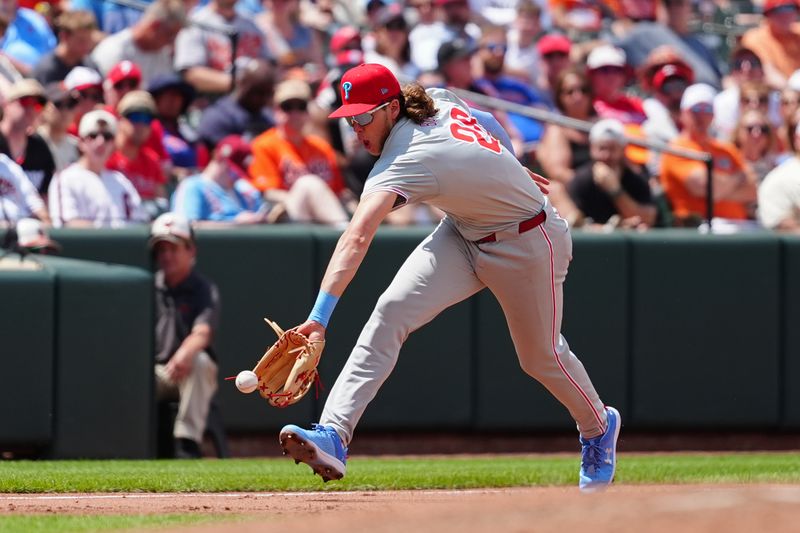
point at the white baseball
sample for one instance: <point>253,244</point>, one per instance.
<point>246,381</point>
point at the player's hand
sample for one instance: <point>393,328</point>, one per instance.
<point>313,330</point>
<point>540,181</point>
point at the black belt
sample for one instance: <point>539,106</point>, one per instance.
<point>525,225</point>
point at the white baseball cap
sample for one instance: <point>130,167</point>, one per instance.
<point>607,129</point>
<point>171,227</point>
<point>80,78</point>
<point>606,55</point>
<point>95,120</point>
<point>699,93</point>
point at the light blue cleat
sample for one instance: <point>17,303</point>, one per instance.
<point>320,448</point>
<point>599,456</point>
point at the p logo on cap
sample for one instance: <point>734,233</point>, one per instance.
<point>364,88</point>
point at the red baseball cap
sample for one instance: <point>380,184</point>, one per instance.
<point>364,88</point>
<point>236,151</point>
<point>124,70</point>
<point>673,70</point>
<point>344,36</point>
<point>553,42</point>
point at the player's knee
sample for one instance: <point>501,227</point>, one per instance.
<point>538,363</point>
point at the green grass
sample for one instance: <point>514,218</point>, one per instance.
<point>79,524</point>
<point>368,473</point>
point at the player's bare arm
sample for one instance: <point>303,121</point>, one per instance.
<point>350,251</point>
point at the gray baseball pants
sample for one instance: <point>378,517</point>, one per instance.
<point>524,271</point>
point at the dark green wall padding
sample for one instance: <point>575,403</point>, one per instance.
<point>678,330</point>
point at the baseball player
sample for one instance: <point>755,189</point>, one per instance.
<point>499,232</point>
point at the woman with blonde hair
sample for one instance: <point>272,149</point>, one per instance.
<point>757,140</point>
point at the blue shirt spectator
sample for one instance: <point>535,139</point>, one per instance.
<point>197,198</point>
<point>111,17</point>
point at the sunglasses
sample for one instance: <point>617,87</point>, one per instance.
<point>753,129</point>
<point>294,105</point>
<point>755,100</point>
<point>674,86</point>
<point>397,25</point>
<point>66,103</point>
<point>106,135</point>
<point>496,48</point>
<point>555,55</point>
<point>609,69</point>
<point>31,102</point>
<point>139,117</point>
<point>752,62</point>
<point>127,85</point>
<point>95,96</point>
<point>702,109</point>
<point>364,119</point>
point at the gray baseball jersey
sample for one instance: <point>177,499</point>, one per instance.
<point>452,163</point>
<point>482,191</point>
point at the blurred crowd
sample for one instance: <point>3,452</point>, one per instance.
<point>114,112</point>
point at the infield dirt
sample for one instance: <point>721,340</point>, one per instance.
<point>623,508</point>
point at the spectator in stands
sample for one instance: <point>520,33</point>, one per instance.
<point>522,57</point>
<point>685,180</point>
<point>243,112</point>
<point>491,54</point>
<point>638,33</point>
<point>149,43</point>
<point>87,194</point>
<point>8,69</point>
<point>75,41</point>
<point>745,66</point>
<point>563,149</point>
<point>296,169</point>
<point>18,140</point>
<point>111,17</point>
<point>222,195</point>
<point>86,86</point>
<point>580,17</point>
<point>18,196</point>
<point>554,50</point>
<point>290,41</point>
<point>678,17</point>
<point>756,140</point>
<point>663,108</point>
<point>58,114</point>
<point>187,318</point>
<point>789,104</point>
<point>455,64</point>
<point>456,23</point>
<point>392,49</point>
<point>606,189</point>
<point>204,57</point>
<point>133,158</point>
<point>608,76</point>
<point>27,38</point>
<point>779,193</point>
<point>776,41</point>
<point>173,96</point>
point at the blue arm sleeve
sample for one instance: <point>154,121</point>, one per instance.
<point>491,125</point>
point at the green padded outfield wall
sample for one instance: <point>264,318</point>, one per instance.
<point>104,360</point>
<point>26,382</point>
<point>430,387</point>
<point>706,324</point>
<point>791,332</point>
<point>595,324</point>
<point>261,272</point>
<point>123,246</point>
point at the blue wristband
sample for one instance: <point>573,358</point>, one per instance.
<point>323,308</point>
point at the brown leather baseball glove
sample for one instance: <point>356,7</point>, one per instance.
<point>288,369</point>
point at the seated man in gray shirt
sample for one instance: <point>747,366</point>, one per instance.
<point>187,314</point>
